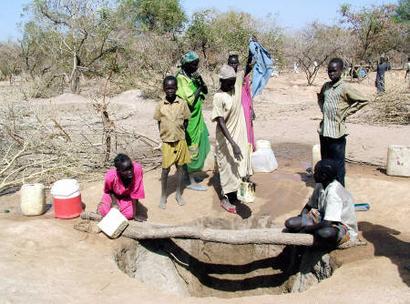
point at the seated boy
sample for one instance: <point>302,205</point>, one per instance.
<point>123,187</point>
<point>329,215</point>
<point>172,115</point>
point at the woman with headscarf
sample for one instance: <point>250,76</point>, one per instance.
<point>232,148</point>
<point>192,89</point>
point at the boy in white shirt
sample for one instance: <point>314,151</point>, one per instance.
<point>329,215</point>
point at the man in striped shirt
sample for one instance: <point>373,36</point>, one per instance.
<point>337,100</point>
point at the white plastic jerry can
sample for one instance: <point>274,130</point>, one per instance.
<point>398,160</point>
<point>316,156</point>
<point>114,223</point>
<point>32,199</point>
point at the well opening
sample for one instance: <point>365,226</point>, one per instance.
<point>202,269</point>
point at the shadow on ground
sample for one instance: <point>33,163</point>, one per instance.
<point>386,243</point>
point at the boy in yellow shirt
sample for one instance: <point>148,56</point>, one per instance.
<point>172,115</point>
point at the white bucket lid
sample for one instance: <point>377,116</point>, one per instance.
<point>65,187</point>
<point>263,144</point>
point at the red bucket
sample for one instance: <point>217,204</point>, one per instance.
<point>66,199</point>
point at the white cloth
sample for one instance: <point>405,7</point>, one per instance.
<point>335,204</point>
<point>229,106</point>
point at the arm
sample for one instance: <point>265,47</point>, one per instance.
<point>202,89</point>
<point>185,92</point>
<point>236,150</point>
<point>249,66</point>
<point>355,100</point>
<point>322,224</point>
<point>108,197</point>
<point>321,97</point>
<point>332,213</point>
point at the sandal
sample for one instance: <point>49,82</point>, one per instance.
<point>228,206</point>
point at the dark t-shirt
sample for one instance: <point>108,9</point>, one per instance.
<point>381,69</point>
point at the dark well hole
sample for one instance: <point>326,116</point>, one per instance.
<point>203,269</point>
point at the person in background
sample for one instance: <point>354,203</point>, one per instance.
<point>382,67</point>
<point>123,188</point>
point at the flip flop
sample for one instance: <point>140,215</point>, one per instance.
<point>228,206</point>
<point>196,187</point>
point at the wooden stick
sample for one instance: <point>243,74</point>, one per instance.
<point>142,231</point>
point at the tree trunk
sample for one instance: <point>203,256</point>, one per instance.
<point>143,231</point>
<point>75,75</point>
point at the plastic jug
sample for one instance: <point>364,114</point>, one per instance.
<point>263,159</point>
<point>114,223</point>
<point>316,156</point>
<point>398,160</point>
<point>66,198</point>
<point>32,199</point>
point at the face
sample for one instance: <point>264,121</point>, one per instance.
<point>191,67</point>
<point>233,61</point>
<point>334,70</point>
<point>227,84</point>
<point>125,170</point>
<point>170,89</point>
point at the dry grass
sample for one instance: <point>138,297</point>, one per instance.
<point>42,142</point>
<point>389,108</point>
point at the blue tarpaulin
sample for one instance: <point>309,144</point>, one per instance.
<point>263,67</point>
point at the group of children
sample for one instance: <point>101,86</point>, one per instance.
<point>329,213</point>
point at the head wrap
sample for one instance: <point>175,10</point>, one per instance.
<point>227,72</point>
<point>189,57</point>
<point>233,53</point>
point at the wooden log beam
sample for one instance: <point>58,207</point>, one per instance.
<point>143,231</point>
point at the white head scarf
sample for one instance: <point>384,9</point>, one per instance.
<point>227,72</point>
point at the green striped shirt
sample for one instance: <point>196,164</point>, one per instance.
<point>338,101</point>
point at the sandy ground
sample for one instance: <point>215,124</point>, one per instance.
<point>44,260</point>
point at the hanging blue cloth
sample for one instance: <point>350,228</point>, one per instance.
<point>263,67</point>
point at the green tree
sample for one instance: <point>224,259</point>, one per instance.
<point>200,33</point>
<point>402,13</point>
<point>161,16</point>
<point>73,36</point>
<point>10,60</point>
<point>313,47</point>
<point>374,29</point>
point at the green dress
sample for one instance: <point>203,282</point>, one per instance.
<point>196,132</point>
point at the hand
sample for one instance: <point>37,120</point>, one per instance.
<point>237,152</point>
<point>204,89</point>
<point>115,205</point>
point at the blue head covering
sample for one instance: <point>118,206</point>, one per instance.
<point>189,57</point>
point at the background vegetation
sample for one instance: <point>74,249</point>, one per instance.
<point>135,43</point>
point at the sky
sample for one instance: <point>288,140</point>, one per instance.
<point>289,14</point>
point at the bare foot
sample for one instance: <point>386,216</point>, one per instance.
<point>163,202</point>
<point>179,199</point>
